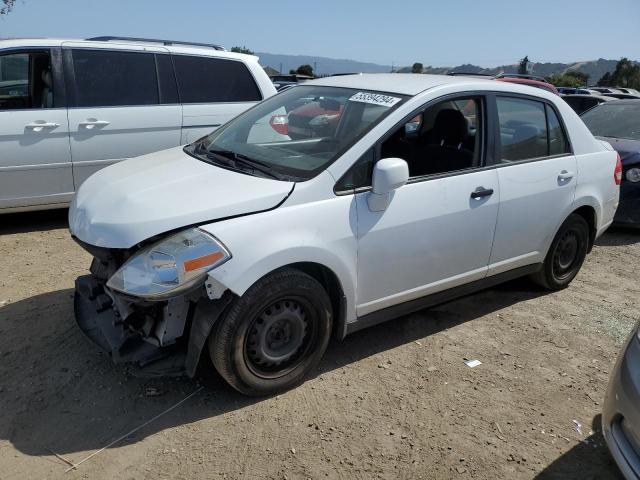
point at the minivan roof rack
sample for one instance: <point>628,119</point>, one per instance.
<point>155,40</point>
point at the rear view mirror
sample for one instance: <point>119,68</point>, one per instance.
<point>389,174</point>
<point>329,104</point>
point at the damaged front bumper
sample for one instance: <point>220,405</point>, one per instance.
<point>161,338</point>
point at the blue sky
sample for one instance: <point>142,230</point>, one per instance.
<point>434,32</point>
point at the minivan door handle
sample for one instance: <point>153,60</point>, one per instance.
<point>91,123</point>
<point>564,176</point>
<point>41,126</point>
<point>481,192</point>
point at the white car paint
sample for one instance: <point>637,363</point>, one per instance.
<point>42,169</point>
<point>163,191</point>
<point>432,236</point>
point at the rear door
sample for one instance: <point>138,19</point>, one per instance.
<point>35,164</point>
<point>123,104</point>
<point>537,174</point>
<point>212,92</point>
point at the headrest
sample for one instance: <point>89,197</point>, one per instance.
<point>46,78</point>
<point>450,126</point>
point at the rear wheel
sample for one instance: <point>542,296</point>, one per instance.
<point>273,335</point>
<point>566,254</point>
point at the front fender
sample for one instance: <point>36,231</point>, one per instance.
<point>321,232</point>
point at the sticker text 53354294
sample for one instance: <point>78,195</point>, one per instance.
<point>375,99</point>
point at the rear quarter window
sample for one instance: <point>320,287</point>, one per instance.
<point>213,80</point>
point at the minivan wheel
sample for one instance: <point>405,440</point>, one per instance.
<point>566,254</point>
<point>274,335</point>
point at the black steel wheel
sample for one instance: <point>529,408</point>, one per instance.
<point>274,335</point>
<point>566,254</point>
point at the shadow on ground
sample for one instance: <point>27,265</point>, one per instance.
<point>59,392</point>
<point>590,459</point>
<point>618,236</point>
<point>33,221</point>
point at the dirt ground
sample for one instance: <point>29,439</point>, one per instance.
<point>394,401</point>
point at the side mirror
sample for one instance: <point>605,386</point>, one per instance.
<point>389,174</point>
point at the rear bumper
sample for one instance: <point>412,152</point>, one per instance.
<point>621,413</point>
<point>628,212</point>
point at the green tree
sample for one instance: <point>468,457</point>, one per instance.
<point>303,70</point>
<point>605,80</point>
<point>571,78</point>
<point>626,74</point>
<point>417,68</point>
<point>522,66</point>
<point>242,49</point>
<point>6,6</point>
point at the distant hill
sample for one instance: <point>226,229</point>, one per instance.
<point>324,65</point>
<point>329,66</point>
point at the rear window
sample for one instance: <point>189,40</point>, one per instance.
<point>211,80</point>
<point>529,129</point>
<point>614,120</point>
<point>107,78</point>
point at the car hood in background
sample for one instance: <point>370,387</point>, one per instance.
<point>629,150</point>
<point>124,204</point>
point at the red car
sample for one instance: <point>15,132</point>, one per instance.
<point>527,80</point>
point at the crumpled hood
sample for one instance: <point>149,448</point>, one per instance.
<point>136,199</point>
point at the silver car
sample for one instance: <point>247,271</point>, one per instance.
<point>621,415</point>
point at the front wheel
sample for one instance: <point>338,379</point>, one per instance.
<point>566,254</point>
<point>273,335</point>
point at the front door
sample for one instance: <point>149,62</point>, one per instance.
<point>437,231</point>
<point>35,164</point>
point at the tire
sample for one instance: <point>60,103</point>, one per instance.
<point>566,254</point>
<point>274,335</point>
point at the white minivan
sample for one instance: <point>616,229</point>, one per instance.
<point>71,107</point>
<point>383,195</point>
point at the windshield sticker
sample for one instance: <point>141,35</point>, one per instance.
<point>375,99</point>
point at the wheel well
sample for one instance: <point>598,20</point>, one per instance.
<point>589,214</point>
<point>331,284</point>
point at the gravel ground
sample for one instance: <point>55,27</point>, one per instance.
<point>394,401</point>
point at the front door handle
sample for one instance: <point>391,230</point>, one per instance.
<point>564,175</point>
<point>41,126</point>
<point>92,123</point>
<point>481,192</point>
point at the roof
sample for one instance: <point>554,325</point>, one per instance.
<point>625,101</point>
<point>143,45</point>
<point>588,95</point>
<point>402,83</point>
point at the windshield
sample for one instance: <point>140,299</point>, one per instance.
<point>296,134</point>
<point>614,120</point>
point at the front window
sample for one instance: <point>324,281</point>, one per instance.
<point>614,121</point>
<point>296,134</point>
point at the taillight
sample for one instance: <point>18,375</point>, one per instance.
<point>280,123</point>
<point>617,174</point>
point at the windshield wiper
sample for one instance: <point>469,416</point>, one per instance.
<point>239,158</point>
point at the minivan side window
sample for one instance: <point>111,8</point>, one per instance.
<point>210,80</point>
<point>26,81</point>
<point>108,78</point>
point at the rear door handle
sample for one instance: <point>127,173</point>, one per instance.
<point>92,123</point>
<point>564,175</point>
<point>481,192</point>
<point>41,126</point>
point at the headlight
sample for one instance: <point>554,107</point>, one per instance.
<point>170,266</point>
<point>633,175</point>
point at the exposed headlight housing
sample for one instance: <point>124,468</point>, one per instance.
<point>633,175</point>
<point>170,266</point>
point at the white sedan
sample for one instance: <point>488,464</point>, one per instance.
<point>380,195</point>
